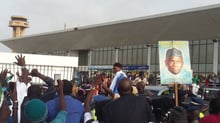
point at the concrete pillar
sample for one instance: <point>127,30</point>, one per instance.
<point>116,54</point>
<point>149,57</point>
<point>215,57</point>
<point>89,61</point>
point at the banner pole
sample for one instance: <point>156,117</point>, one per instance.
<point>176,93</point>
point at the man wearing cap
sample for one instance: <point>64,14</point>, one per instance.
<point>175,70</point>
<point>36,110</point>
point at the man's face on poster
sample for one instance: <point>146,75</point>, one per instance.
<point>174,64</point>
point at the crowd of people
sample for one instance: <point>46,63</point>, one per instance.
<point>121,99</point>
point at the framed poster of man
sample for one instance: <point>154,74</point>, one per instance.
<point>175,62</point>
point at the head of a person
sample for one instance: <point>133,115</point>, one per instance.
<point>35,111</point>
<point>117,67</point>
<point>178,115</point>
<point>124,87</point>
<point>141,73</point>
<point>67,87</point>
<point>140,87</point>
<point>34,91</point>
<point>174,60</point>
<point>214,106</point>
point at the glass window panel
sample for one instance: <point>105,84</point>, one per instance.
<point>134,56</point>
<point>195,68</point>
<point>109,56</point>
<point>190,52</point>
<point>210,54</point>
<point>202,54</point>
<point>120,56</point>
<point>105,57</point>
<point>157,68</point>
<point>113,56</point>
<point>145,55</point>
<point>140,45</point>
<point>97,58</point>
<point>196,42</point>
<point>153,55</point>
<point>129,47</point>
<point>157,56</point>
<point>153,68</point>
<point>209,68</point>
<point>140,56</point>
<point>209,41</point>
<point>129,57</point>
<point>219,53</point>
<point>101,57</point>
<point>195,57</point>
<point>135,46</point>
<point>124,56</point>
<point>218,69</point>
<point>202,68</point>
<point>203,41</point>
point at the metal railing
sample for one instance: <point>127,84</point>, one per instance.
<point>66,72</point>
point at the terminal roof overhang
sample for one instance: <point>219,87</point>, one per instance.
<point>201,23</point>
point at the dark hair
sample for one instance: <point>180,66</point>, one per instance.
<point>118,65</point>
<point>67,87</point>
<point>214,106</point>
<point>34,91</point>
<point>178,115</point>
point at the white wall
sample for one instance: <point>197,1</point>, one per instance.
<point>41,59</point>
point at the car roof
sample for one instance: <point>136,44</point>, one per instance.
<point>211,88</point>
<point>156,88</point>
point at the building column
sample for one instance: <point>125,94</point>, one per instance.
<point>149,57</point>
<point>116,54</point>
<point>89,61</point>
<point>215,57</point>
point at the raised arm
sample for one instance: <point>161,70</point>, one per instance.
<point>62,100</point>
<point>109,91</point>
<point>35,73</point>
<point>51,91</point>
<point>3,75</point>
<point>13,95</point>
<point>21,62</point>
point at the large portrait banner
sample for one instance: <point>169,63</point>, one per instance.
<point>175,64</point>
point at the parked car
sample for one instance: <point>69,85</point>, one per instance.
<point>157,90</point>
<point>210,93</point>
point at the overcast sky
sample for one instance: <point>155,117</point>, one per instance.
<point>50,15</point>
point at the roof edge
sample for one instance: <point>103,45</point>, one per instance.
<point>194,9</point>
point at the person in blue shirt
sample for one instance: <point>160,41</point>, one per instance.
<point>119,74</point>
<point>36,110</point>
<point>75,108</point>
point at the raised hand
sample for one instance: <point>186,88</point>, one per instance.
<point>3,75</point>
<point>34,72</point>
<point>20,60</point>
<point>13,93</point>
<point>60,85</point>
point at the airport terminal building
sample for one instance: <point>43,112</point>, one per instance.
<point>133,42</point>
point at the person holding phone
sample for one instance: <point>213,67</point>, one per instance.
<point>5,111</point>
<point>75,109</point>
<point>36,110</point>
